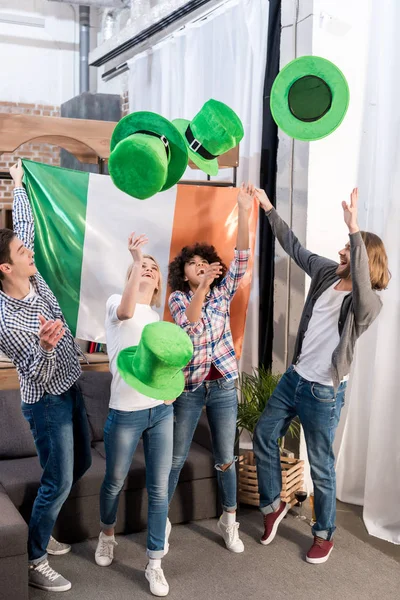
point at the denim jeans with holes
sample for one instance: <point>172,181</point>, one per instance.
<point>220,400</point>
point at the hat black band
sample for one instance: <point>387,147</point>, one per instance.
<point>197,146</point>
<point>160,137</point>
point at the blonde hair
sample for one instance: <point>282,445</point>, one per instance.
<point>378,261</point>
<point>156,299</point>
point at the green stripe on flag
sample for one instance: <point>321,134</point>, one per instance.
<point>58,199</point>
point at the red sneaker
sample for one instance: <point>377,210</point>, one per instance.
<point>319,551</point>
<point>271,523</point>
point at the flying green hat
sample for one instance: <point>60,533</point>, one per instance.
<point>213,131</point>
<point>309,98</point>
<point>154,366</point>
<point>148,155</point>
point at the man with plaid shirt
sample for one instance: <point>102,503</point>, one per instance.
<point>36,338</point>
<point>202,291</point>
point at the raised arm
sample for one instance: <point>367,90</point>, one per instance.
<point>366,303</point>
<point>306,260</point>
<point>23,223</point>
<point>129,298</point>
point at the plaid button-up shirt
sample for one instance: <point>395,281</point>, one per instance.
<point>211,334</point>
<point>39,371</point>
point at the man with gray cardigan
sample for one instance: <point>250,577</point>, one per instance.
<point>341,304</point>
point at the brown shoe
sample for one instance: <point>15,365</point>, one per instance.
<point>271,523</point>
<point>319,551</point>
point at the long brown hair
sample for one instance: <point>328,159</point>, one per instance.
<point>156,299</point>
<point>378,260</point>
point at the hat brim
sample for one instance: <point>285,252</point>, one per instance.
<point>208,166</point>
<point>333,77</point>
<point>171,391</point>
<point>150,121</point>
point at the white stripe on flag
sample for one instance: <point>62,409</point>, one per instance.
<point>110,218</point>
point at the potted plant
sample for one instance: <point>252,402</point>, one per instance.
<point>255,390</point>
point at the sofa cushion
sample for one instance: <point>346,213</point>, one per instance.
<point>95,388</point>
<point>16,440</point>
<point>20,478</point>
<point>13,529</point>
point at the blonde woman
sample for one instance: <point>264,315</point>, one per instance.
<point>133,415</point>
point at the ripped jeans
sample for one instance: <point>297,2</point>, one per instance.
<point>220,399</point>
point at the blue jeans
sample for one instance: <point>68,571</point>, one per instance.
<point>122,432</point>
<point>220,399</point>
<point>60,429</point>
<point>319,412</point>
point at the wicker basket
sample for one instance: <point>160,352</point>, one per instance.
<point>292,479</point>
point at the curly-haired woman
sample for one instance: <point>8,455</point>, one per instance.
<point>202,291</point>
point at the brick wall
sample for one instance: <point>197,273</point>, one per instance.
<point>124,104</point>
<point>45,153</point>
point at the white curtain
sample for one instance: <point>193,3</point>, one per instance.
<point>368,443</point>
<point>220,56</point>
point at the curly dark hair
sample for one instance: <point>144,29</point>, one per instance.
<point>176,268</point>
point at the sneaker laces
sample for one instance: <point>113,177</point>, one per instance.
<point>158,575</point>
<point>318,541</point>
<point>56,542</point>
<point>107,547</point>
<point>233,532</point>
<point>45,569</point>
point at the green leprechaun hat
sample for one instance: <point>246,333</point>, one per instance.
<point>213,131</point>
<point>154,366</point>
<point>309,98</point>
<point>148,155</point>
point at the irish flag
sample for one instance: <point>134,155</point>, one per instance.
<point>82,224</point>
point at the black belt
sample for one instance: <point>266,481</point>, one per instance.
<point>197,146</point>
<point>160,137</point>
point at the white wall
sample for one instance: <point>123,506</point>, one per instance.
<point>340,34</point>
<point>313,178</point>
<point>40,64</point>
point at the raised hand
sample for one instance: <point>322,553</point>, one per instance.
<point>135,245</point>
<point>50,333</point>
<point>245,196</point>
<point>17,173</point>
<point>213,271</point>
<point>350,212</point>
<point>263,199</point>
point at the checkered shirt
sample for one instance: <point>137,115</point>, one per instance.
<point>211,334</point>
<point>39,371</point>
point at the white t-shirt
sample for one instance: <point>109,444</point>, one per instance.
<point>120,335</point>
<point>31,293</point>
<point>321,338</point>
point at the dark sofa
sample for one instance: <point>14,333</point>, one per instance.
<point>195,497</point>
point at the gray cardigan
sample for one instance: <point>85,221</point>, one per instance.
<point>360,307</point>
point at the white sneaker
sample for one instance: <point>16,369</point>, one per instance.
<point>168,528</point>
<point>43,577</point>
<point>105,550</point>
<point>57,548</point>
<point>158,583</point>
<point>230,533</point>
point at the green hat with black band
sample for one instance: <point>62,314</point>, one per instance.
<point>213,131</point>
<point>154,366</point>
<point>148,155</point>
<point>309,98</point>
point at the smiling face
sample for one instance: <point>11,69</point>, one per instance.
<point>150,273</point>
<point>21,264</point>
<point>194,270</point>
<point>343,270</point>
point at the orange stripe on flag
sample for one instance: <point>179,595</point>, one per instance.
<point>209,214</point>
